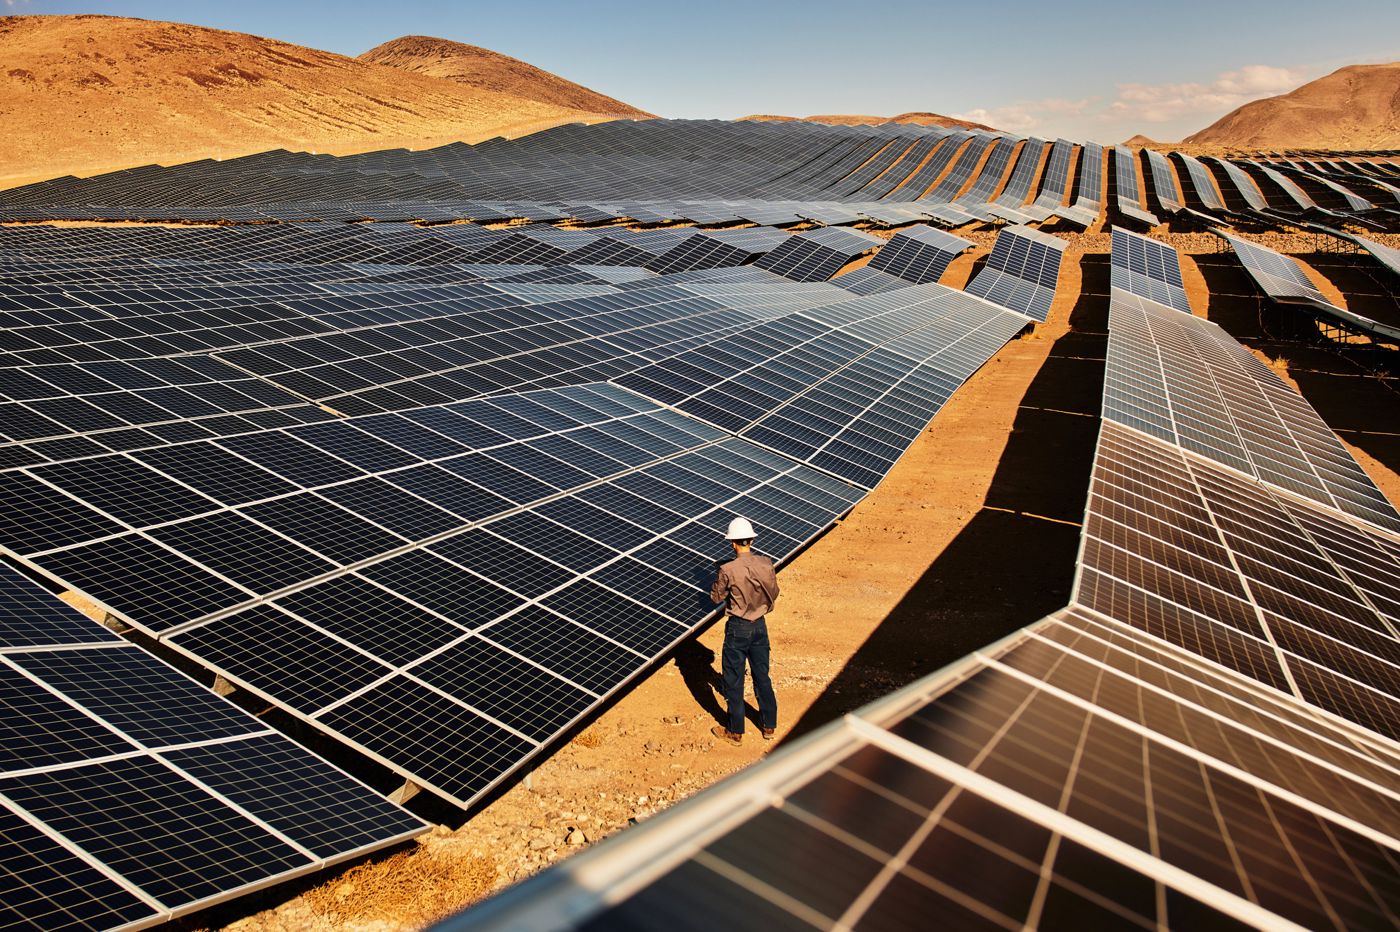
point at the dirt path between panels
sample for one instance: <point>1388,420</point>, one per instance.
<point>973,535</point>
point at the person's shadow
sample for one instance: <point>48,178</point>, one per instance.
<point>696,664</point>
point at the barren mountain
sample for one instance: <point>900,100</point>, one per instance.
<point>1140,140</point>
<point>1357,107</point>
<point>80,94</point>
<point>856,119</point>
<point>491,71</point>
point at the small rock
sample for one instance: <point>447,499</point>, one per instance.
<point>539,843</point>
<point>576,837</point>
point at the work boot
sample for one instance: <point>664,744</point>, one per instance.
<point>724,734</point>
<point>768,733</point>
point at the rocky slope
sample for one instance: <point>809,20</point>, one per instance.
<point>1357,107</point>
<point>80,94</point>
<point>491,71</point>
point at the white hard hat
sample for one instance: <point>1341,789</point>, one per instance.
<point>740,529</point>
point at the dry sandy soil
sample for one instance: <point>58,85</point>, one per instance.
<point>917,576</point>
<point>84,94</point>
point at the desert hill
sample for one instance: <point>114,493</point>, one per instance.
<point>1140,140</point>
<point>80,94</point>
<point>491,71</point>
<point>856,119</point>
<point>1357,107</point>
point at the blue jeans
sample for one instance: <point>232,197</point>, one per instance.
<point>747,640</point>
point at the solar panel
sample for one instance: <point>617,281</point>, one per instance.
<point>1021,272</point>
<point>817,255</point>
<point>1387,255</point>
<point>1283,280</point>
<point>1055,181</point>
<point>1201,182</point>
<point>130,794</point>
<point>919,254</point>
<point>1164,182</point>
<point>1129,198</point>
<point>1148,269</point>
<point>1091,164</point>
<point>1244,185</point>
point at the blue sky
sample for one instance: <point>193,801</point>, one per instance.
<point>1087,70</point>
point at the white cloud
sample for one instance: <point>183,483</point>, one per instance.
<point>1027,116</point>
<point>1162,103</point>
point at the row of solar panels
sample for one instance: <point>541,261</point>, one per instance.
<point>101,378</point>
<point>1206,737</point>
<point>652,172</point>
<point>1259,192</point>
<point>129,794</point>
<point>827,175</point>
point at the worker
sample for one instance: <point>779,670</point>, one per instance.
<point>750,587</point>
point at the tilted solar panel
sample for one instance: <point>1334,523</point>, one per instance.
<point>1148,269</point>
<point>1129,197</point>
<point>1164,181</point>
<point>1021,272</point>
<point>129,794</point>
<point>1283,280</point>
<point>919,254</point>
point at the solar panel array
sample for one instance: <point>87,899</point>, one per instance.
<point>440,492</point>
<point>1017,192</point>
<point>653,171</point>
<point>1192,385</point>
<point>445,585</point>
<point>692,171</point>
<point>1148,755</point>
<point>130,794</point>
<point>1021,271</point>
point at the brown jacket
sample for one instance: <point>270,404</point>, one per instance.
<point>749,584</point>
